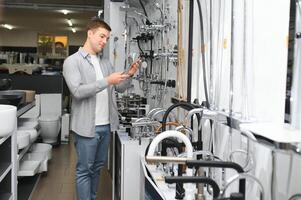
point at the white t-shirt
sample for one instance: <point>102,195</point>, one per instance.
<point>102,98</point>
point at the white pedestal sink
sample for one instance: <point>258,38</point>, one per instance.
<point>8,119</point>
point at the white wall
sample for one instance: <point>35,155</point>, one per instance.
<point>29,38</point>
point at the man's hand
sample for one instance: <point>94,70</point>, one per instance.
<point>116,78</point>
<point>134,67</point>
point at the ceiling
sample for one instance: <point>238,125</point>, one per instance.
<point>46,16</point>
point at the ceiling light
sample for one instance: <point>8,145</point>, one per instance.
<point>73,30</point>
<point>7,26</point>
<point>69,22</point>
<point>100,13</point>
<point>65,12</point>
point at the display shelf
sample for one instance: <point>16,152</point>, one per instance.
<point>25,108</point>
<point>128,152</point>
<point>3,139</point>
<point>28,168</point>
<point>4,170</point>
<point>6,191</point>
<point>25,150</point>
<point>8,161</point>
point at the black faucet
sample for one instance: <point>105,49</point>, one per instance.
<point>220,164</point>
<point>194,179</point>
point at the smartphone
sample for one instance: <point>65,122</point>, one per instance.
<point>138,61</point>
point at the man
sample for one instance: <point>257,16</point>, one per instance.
<point>92,81</point>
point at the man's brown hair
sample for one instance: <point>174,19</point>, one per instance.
<point>96,22</point>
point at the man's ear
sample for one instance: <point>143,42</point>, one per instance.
<point>90,32</point>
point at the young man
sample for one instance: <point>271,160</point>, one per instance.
<point>92,82</point>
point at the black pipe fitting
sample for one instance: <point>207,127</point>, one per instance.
<point>221,164</point>
<point>194,179</point>
<point>215,164</point>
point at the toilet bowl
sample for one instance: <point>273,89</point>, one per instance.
<point>50,127</point>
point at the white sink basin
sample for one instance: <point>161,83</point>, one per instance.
<point>42,147</point>
<point>23,139</point>
<point>8,119</point>
<point>32,133</point>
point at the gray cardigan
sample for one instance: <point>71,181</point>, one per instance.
<point>80,77</point>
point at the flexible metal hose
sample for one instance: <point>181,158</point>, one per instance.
<point>203,54</point>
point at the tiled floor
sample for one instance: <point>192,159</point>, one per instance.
<point>59,182</point>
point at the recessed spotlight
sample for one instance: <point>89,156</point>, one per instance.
<point>65,12</point>
<point>7,26</point>
<point>100,13</point>
<point>69,22</point>
<point>73,30</point>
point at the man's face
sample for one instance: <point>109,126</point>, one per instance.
<point>98,38</point>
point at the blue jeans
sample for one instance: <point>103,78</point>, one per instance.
<point>92,155</point>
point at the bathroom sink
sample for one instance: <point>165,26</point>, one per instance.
<point>42,148</point>
<point>12,97</point>
<point>33,134</point>
<point>8,119</point>
<point>23,139</point>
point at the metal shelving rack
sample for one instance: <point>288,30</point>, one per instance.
<point>9,161</point>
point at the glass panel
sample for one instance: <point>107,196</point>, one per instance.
<point>45,43</point>
<point>60,46</point>
<point>52,46</point>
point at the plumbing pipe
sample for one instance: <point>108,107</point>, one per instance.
<point>231,89</point>
<point>243,176</point>
<point>192,112</point>
<point>249,160</point>
<point>190,48</point>
<point>203,53</point>
<point>220,51</point>
<point>220,164</point>
<point>142,119</point>
<point>125,35</point>
<point>171,133</point>
<point>168,124</point>
<point>248,134</point>
<point>200,187</point>
<point>187,106</point>
<point>193,179</point>
<point>295,197</point>
<point>205,113</point>
<point>142,15</point>
<point>158,112</point>
<point>201,171</point>
<point>211,67</point>
<point>167,134</point>
<point>143,7</point>
<point>135,20</point>
<point>145,123</point>
<point>165,159</point>
<point>196,153</point>
<point>216,164</point>
<point>186,129</point>
<point>244,91</point>
<point>151,112</point>
<point>157,5</point>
